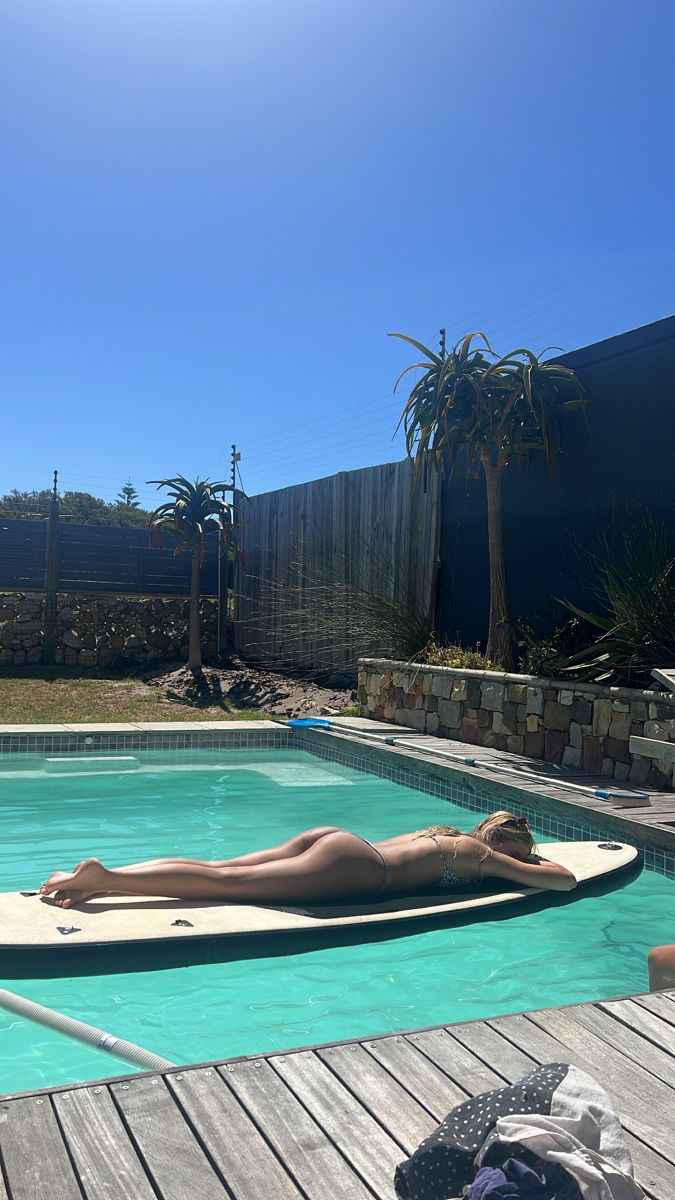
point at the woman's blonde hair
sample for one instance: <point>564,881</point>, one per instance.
<point>504,826</point>
<point>435,830</point>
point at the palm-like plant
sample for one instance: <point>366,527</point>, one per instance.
<point>632,574</point>
<point>496,411</point>
<point>193,510</point>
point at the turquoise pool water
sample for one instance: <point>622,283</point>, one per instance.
<point>216,804</point>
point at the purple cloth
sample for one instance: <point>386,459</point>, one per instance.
<point>514,1180</point>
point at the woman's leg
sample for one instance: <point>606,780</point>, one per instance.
<point>290,849</point>
<point>334,866</point>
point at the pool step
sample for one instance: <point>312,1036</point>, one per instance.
<point>92,763</point>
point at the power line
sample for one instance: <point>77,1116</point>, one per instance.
<point>496,332</point>
<point>328,437</point>
<point>624,286</point>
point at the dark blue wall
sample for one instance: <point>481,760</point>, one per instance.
<point>629,457</point>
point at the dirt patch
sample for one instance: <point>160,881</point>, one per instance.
<point>245,687</point>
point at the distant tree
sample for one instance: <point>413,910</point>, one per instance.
<point>127,517</point>
<point>84,509</point>
<point>25,505</point>
<point>79,507</point>
<point>193,510</point>
<point>128,496</point>
<point>496,411</point>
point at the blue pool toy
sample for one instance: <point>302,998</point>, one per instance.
<point>309,723</point>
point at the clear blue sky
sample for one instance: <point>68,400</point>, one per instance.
<point>213,211</point>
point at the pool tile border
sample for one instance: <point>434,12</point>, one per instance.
<point>549,816</point>
<point>100,739</point>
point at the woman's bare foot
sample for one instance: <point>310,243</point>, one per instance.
<point>64,889</point>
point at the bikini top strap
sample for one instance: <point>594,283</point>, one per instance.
<point>441,851</point>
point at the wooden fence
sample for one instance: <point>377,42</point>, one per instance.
<point>337,568</point>
<point>97,558</point>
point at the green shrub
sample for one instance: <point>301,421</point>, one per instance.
<point>545,642</point>
<point>632,577</point>
<point>457,656</point>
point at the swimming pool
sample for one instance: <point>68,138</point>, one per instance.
<point>212,803</point>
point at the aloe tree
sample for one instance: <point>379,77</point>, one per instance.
<point>193,510</point>
<point>496,411</point>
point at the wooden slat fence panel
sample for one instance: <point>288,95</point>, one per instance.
<point>99,558</point>
<point>22,554</point>
<point>328,567</point>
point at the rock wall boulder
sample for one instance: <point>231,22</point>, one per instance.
<point>101,630</point>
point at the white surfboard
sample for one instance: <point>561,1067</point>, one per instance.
<point>26,923</point>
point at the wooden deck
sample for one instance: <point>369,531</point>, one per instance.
<point>330,1122</point>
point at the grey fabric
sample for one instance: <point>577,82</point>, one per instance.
<point>556,1118</point>
<point>444,1163</point>
<point>581,1133</point>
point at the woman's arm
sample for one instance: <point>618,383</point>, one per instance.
<point>471,859</point>
<point>540,874</point>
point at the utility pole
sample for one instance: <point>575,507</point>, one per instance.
<point>442,333</point>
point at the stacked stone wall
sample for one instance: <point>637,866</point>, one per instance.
<point>582,726</point>
<point>101,630</point>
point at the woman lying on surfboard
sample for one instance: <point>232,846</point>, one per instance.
<point>320,866</point>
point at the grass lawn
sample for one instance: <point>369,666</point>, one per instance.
<point>60,699</point>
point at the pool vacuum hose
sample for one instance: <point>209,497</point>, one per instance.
<point>83,1032</point>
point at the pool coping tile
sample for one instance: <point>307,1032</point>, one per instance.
<point>109,727</point>
<point>9,730</point>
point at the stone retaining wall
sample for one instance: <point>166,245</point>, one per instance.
<point>580,725</point>
<point>101,630</point>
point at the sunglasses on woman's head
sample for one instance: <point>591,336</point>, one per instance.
<point>517,823</point>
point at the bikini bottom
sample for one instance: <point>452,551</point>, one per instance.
<point>381,857</point>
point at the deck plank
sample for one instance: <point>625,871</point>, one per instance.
<point>489,1046</point>
<point>310,1157</point>
<point>228,1133</point>
<point>632,1045</point>
<point>36,1161</point>
<point>628,1082</point>
<point>420,1077</point>
<point>170,1152</point>
<point>104,1156</point>
<point>371,1151</point>
<point>461,1065</point>
<point>652,1171</point>
<point>644,1022</point>
<point>332,1120</point>
<point>406,1120</point>
<point>661,1003</point>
